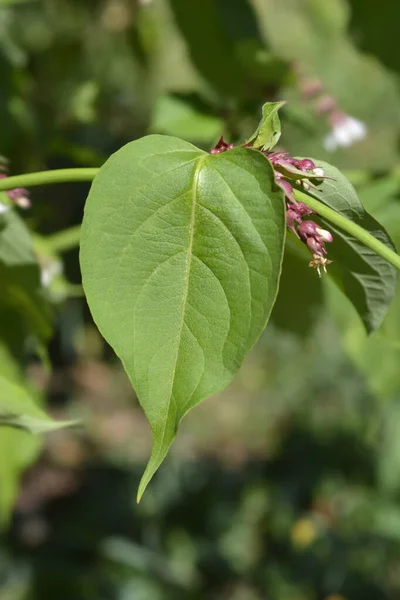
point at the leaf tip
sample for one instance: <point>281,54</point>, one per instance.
<point>158,454</point>
<point>144,482</point>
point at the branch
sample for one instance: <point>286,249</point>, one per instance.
<point>46,177</point>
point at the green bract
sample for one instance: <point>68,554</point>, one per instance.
<point>181,255</point>
<point>268,131</point>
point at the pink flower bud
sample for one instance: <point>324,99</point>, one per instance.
<point>324,234</point>
<point>311,87</point>
<point>302,209</point>
<point>312,229</point>
<point>315,246</point>
<point>274,157</point>
<point>291,218</point>
<point>325,105</point>
<point>306,164</point>
<point>308,229</point>
<point>286,187</point>
<point>20,197</point>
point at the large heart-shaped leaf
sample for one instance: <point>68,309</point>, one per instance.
<point>181,254</point>
<point>365,277</point>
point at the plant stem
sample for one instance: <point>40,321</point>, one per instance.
<point>349,227</point>
<point>46,177</point>
<point>65,239</point>
<point>70,175</point>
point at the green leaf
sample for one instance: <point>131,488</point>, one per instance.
<point>377,356</point>
<point>19,409</point>
<point>18,449</point>
<point>374,39</point>
<point>365,277</point>
<point>181,254</point>
<point>211,48</point>
<point>20,276</point>
<point>268,131</point>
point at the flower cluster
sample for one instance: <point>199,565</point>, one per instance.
<point>301,170</point>
<point>310,233</point>
<point>305,173</point>
<point>345,130</point>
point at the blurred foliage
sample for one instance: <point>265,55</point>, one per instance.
<point>287,485</point>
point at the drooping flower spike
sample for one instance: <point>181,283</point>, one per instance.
<point>302,171</point>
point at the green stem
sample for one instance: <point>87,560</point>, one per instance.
<point>65,239</point>
<point>349,227</point>
<point>46,177</point>
<point>70,175</point>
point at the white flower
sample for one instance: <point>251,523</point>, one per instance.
<point>324,234</point>
<point>3,208</point>
<point>50,272</point>
<point>23,202</point>
<point>345,131</point>
<point>318,173</point>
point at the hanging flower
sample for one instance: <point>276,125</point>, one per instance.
<point>305,173</point>
<point>3,208</point>
<point>345,131</point>
<point>317,262</point>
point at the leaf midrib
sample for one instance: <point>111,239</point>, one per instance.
<point>189,251</point>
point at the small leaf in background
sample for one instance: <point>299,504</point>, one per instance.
<point>18,449</point>
<point>20,276</point>
<point>210,45</point>
<point>268,131</point>
<point>181,255</point>
<point>380,41</point>
<point>366,278</point>
<point>377,356</point>
<point>19,409</point>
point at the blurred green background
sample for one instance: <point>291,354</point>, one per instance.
<point>287,485</point>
